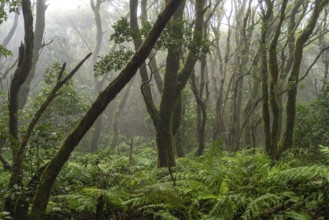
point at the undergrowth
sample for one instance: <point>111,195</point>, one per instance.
<point>245,185</point>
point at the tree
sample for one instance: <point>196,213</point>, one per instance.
<point>95,6</point>
<point>104,98</point>
<point>40,24</point>
<point>287,138</point>
<point>23,68</point>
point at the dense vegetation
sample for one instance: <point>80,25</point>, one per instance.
<point>245,185</point>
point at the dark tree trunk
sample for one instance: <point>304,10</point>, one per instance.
<point>38,39</point>
<point>20,75</point>
<point>273,67</point>
<point>264,75</point>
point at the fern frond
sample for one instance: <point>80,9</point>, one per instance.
<point>297,216</point>
<point>298,174</point>
<point>259,204</point>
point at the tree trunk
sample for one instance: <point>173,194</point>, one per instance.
<point>104,98</point>
<point>273,67</point>
<point>220,128</point>
<point>287,62</point>
<point>287,138</point>
<point>94,144</point>
<point>11,31</point>
<point>38,39</point>
<point>20,75</point>
<point>264,75</point>
<point>201,109</point>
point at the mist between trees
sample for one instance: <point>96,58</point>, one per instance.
<point>175,109</point>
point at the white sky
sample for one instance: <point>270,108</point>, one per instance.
<point>65,4</point>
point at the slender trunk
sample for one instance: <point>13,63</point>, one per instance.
<point>11,31</point>
<point>264,74</point>
<point>273,67</point>
<point>220,102</point>
<point>287,62</point>
<point>38,39</point>
<point>146,89</point>
<point>116,115</point>
<point>20,75</point>
<point>201,107</point>
<point>95,6</point>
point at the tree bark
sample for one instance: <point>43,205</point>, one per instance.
<point>38,39</point>
<point>201,112</point>
<point>20,75</point>
<point>264,75</point>
<point>104,98</point>
<point>273,68</point>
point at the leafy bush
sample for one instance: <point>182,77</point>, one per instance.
<point>312,123</point>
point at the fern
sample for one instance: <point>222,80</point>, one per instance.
<point>298,174</point>
<point>259,204</point>
<point>297,215</point>
<point>228,205</point>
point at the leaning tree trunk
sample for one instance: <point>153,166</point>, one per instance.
<point>104,98</point>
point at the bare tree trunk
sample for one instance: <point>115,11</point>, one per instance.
<point>264,75</point>
<point>20,75</point>
<point>104,98</point>
<point>273,67</point>
<point>201,106</point>
<point>287,62</point>
<point>38,39</point>
<point>11,31</point>
<point>325,56</point>
<point>95,6</point>
<point>220,102</point>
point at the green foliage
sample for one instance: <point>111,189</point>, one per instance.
<point>312,123</point>
<point>5,52</point>
<point>122,32</point>
<point>217,185</point>
<point>116,59</point>
<point>13,6</point>
<point>122,36</point>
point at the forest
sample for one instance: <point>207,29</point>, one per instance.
<point>170,109</point>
